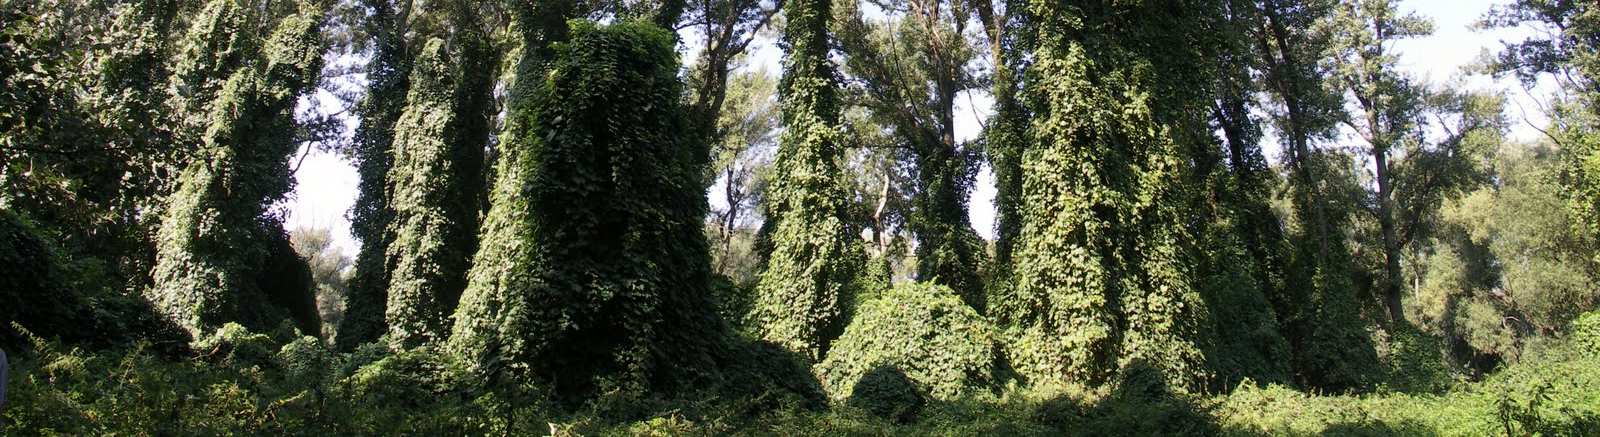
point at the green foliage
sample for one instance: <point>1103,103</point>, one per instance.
<point>1586,333</point>
<point>1507,266</point>
<point>388,76</point>
<point>887,393</point>
<point>613,289</point>
<point>217,241</point>
<point>433,185</point>
<point>816,258</point>
<point>1417,362</point>
<point>43,291</point>
<point>920,332</point>
<point>1099,268</point>
<point>302,389</point>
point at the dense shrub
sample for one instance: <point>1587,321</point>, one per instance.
<point>924,331</point>
<point>44,292</point>
<point>1586,333</point>
<point>886,392</point>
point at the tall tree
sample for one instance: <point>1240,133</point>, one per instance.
<point>218,243</point>
<point>1386,113</point>
<point>911,70</point>
<point>619,267</point>
<point>1099,261</point>
<point>383,31</point>
<point>1317,308</point>
<point>816,257</point>
<point>438,172</point>
<point>1239,247</point>
<point>491,331</point>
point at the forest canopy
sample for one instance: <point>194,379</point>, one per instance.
<point>1211,217</point>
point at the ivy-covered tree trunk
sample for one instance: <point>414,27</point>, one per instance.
<point>618,268</point>
<point>1005,141</point>
<point>492,331</point>
<point>1100,262</point>
<point>816,257</point>
<point>388,78</point>
<point>217,238</point>
<point>434,184</point>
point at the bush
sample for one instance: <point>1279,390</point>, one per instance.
<point>923,330</point>
<point>1416,361</point>
<point>886,392</point>
<point>1586,333</point>
<point>233,345</point>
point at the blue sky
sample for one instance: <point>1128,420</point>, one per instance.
<point>326,183</point>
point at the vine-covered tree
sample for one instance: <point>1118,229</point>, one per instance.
<point>388,82</point>
<point>490,331</point>
<point>218,243</point>
<point>618,266</point>
<point>1099,264</point>
<point>816,257</point>
<point>435,179</point>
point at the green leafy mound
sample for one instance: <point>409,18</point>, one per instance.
<point>925,331</point>
<point>1586,333</point>
<point>887,393</point>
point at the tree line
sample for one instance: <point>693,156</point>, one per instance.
<point>533,181</point>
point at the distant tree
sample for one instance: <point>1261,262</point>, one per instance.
<point>740,159</point>
<point>910,70</point>
<point>330,271</point>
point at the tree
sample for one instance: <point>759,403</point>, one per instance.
<point>816,259</point>
<point>86,143</point>
<point>217,244</point>
<point>1385,116</point>
<point>1317,309</point>
<point>490,332</point>
<point>330,270</point>
<point>1566,48</point>
<point>1240,248</point>
<point>739,159</point>
<point>1503,266</point>
<point>434,183</point>
<point>618,291</point>
<point>1099,258</point>
<point>383,31</point>
<point>728,28</point>
<point>911,71</point>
